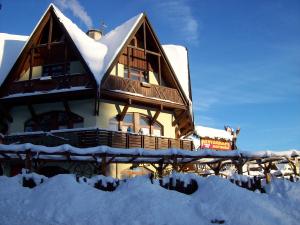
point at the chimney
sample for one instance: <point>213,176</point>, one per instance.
<point>95,34</point>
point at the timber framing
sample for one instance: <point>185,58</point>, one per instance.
<point>29,50</point>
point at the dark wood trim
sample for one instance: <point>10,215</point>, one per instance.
<point>154,118</point>
<point>121,116</point>
<point>178,118</point>
<point>50,32</point>
<point>32,111</point>
<point>68,112</point>
<point>159,70</point>
<point>109,95</point>
<point>31,62</point>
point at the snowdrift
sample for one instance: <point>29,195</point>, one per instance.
<point>62,200</point>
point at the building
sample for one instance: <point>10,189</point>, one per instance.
<point>217,139</point>
<point>122,89</point>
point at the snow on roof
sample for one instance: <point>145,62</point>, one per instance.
<point>100,54</point>
<point>212,133</point>
<point>10,48</point>
<point>178,58</point>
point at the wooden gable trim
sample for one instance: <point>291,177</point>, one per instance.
<point>21,59</point>
<point>145,22</point>
<point>49,15</point>
<point>116,59</point>
<point>177,83</point>
<point>77,52</point>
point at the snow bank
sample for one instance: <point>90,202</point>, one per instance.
<point>61,200</point>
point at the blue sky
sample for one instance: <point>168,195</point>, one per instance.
<point>244,56</point>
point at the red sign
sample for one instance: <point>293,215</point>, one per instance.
<point>215,144</point>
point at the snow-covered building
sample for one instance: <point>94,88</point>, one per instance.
<point>122,89</point>
<point>217,139</point>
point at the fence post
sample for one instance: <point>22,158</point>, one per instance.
<point>28,162</point>
<point>103,165</point>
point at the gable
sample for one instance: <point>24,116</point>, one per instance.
<point>152,58</point>
<point>49,52</point>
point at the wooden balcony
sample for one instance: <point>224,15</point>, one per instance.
<point>96,137</point>
<point>50,83</point>
<point>142,90</point>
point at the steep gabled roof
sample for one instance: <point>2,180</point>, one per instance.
<point>10,47</point>
<point>178,58</point>
<point>99,54</point>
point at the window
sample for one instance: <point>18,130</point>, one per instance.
<point>139,123</point>
<point>54,120</point>
<point>127,123</point>
<point>55,70</point>
<point>113,124</point>
<point>144,125</point>
<point>136,74</point>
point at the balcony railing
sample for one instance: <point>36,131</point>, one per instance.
<point>95,137</point>
<point>114,83</point>
<point>45,84</point>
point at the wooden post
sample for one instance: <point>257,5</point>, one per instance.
<point>128,62</point>
<point>50,32</point>
<point>28,162</point>
<point>160,170</point>
<point>103,165</point>
<point>159,70</point>
<point>31,62</point>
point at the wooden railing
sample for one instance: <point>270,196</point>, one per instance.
<point>50,83</point>
<point>97,137</point>
<point>148,90</point>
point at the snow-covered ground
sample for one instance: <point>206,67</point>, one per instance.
<point>61,200</point>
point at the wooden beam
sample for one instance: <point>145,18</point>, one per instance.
<point>50,32</point>
<point>121,116</point>
<point>159,70</point>
<point>154,118</point>
<point>147,51</point>
<point>31,62</point>
<point>128,62</point>
<point>32,111</point>
<point>109,94</point>
<point>103,165</point>
<point>179,118</point>
<point>69,114</point>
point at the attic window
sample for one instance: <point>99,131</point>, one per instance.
<point>55,70</point>
<point>135,74</point>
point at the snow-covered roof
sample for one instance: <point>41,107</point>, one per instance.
<point>10,48</point>
<point>212,133</point>
<point>100,54</point>
<point>177,56</point>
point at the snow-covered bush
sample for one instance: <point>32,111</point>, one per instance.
<point>184,183</point>
<point>100,182</point>
<point>31,180</point>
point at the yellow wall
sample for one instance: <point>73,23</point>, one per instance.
<point>153,79</point>
<point>75,67</point>
<point>21,114</point>
<point>85,108</point>
<point>110,110</point>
